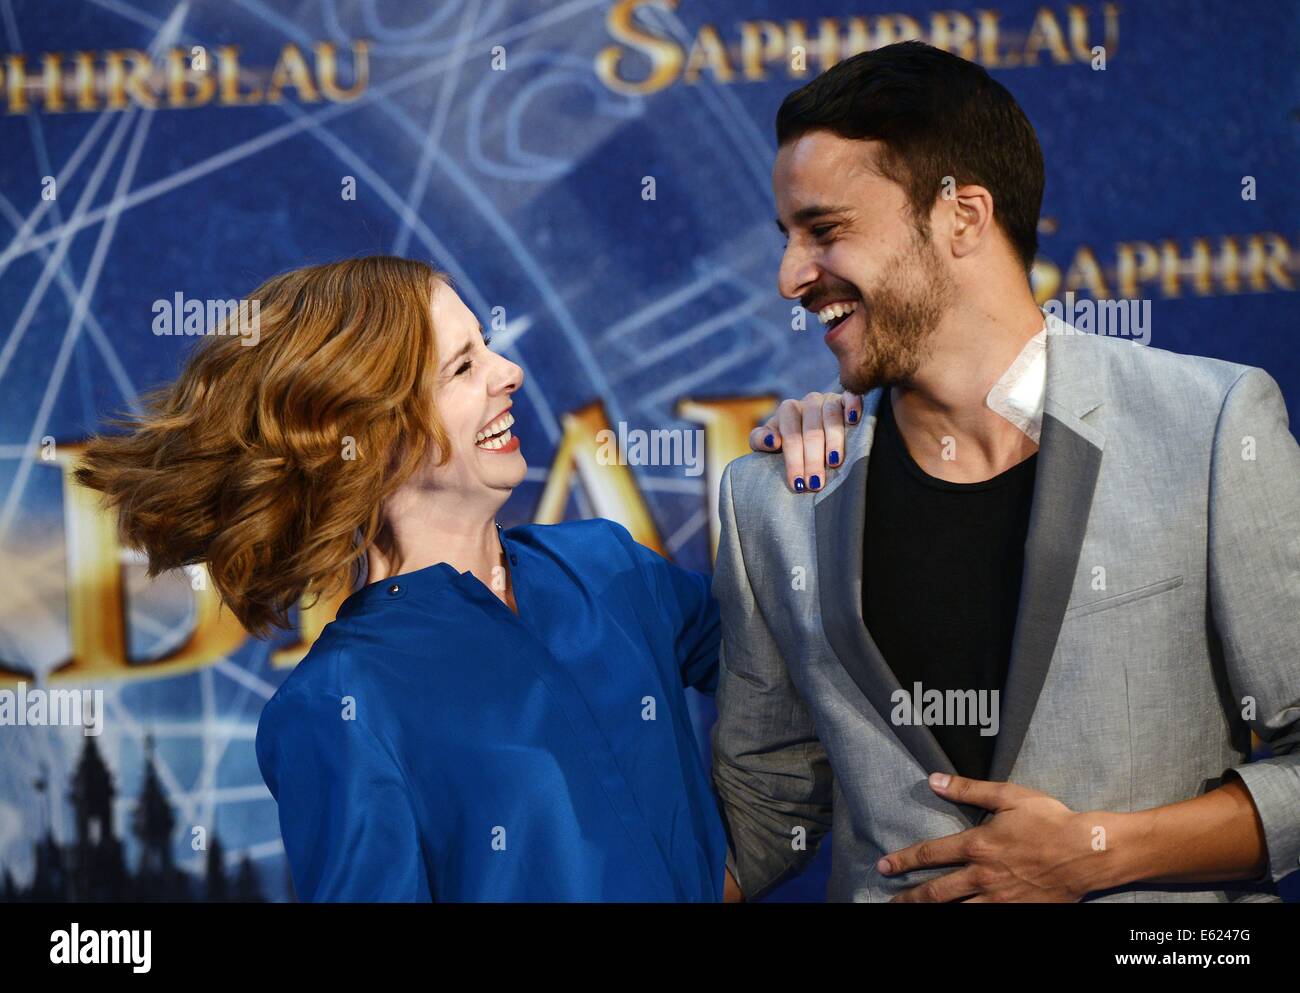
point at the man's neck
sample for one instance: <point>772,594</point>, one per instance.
<point>941,411</point>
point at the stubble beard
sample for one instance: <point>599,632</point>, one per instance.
<point>900,319</point>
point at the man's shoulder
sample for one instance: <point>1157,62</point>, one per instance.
<point>756,476</point>
<point>1130,369</point>
<point>761,499</point>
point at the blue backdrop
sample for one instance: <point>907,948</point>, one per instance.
<point>154,147</point>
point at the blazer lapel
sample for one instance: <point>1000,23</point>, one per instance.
<point>840,514</point>
<point>1069,461</point>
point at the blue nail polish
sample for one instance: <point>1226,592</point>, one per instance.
<point>835,458</point>
<point>798,484</point>
<point>768,442</point>
<point>853,417</point>
<point>814,482</point>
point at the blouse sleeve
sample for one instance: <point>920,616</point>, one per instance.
<point>345,813</point>
<point>685,599</point>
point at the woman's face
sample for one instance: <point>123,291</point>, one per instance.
<point>474,397</point>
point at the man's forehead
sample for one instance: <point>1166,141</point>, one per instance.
<point>819,163</point>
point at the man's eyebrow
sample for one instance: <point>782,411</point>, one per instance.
<point>810,213</point>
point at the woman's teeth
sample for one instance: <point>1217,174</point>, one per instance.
<point>836,310</point>
<point>496,434</point>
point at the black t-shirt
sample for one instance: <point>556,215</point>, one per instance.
<point>941,580</point>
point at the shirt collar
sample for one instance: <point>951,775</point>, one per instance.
<point>430,579</point>
<point>1018,395</point>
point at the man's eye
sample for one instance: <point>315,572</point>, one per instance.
<point>822,230</point>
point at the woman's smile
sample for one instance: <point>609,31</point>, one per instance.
<point>496,436</point>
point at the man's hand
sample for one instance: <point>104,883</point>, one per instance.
<point>1033,849</point>
<point>810,433</point>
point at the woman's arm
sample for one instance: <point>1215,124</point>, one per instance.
<point>345,811</point>
<point>684,600</point>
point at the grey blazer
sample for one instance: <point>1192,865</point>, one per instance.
<point>1176,475</point>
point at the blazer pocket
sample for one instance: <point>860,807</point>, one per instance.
<point>1119,599</point>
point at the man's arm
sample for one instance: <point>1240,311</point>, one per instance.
<point>1254,574</point>
<point>771,773</point>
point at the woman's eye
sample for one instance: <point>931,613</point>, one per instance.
<point>464,367</point>
<point>487,340</point>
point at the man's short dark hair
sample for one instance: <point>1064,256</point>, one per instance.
<point>936,115</point>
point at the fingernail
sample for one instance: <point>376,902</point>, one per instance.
<point>883,867</point>
<point>940,780</point>
<point>853,417</point>
<point>814,482</point>
<point>835,458</point>
<point>798,484</point>
<point>769,441</point>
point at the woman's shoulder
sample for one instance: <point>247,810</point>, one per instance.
<point>592,535</point>
<point>334,669</point>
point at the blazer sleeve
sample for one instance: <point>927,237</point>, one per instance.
<point>685,598</point>
<point>770,770</point>
<point>1254,582</point>
<point>345,813</point>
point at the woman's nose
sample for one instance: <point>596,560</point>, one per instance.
<point>509,377</point>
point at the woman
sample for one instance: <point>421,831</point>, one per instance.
<point>493,715</point>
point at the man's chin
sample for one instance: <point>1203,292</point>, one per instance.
<point>860,381</point>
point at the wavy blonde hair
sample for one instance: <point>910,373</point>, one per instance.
<point>242,462</point>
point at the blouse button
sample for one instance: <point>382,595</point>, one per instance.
<point>394,589</point>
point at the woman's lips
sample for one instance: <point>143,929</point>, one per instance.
<point>511,445</point>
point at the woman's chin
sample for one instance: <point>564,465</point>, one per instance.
<point>509,470</point>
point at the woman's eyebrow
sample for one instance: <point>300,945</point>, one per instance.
<point>460,352</point>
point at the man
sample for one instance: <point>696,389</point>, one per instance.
<point>1013,649</point>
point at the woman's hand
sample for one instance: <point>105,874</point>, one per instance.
<point>810,434</point>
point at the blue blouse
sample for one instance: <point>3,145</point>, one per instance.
<point>433,745</point>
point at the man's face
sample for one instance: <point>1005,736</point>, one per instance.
<point>854,249</point>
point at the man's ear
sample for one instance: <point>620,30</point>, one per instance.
<point>970,218</point>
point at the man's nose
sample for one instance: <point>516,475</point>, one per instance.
<point>797,273</point>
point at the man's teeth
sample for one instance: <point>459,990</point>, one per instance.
<point>828,314</point>
<point>495,434</point>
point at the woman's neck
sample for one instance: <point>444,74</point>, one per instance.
<point>419,534</point>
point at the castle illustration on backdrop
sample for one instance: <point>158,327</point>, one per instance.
<point>93,867</point>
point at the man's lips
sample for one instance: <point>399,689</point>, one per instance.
<point>835,310</point>
<point>836,325</point>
